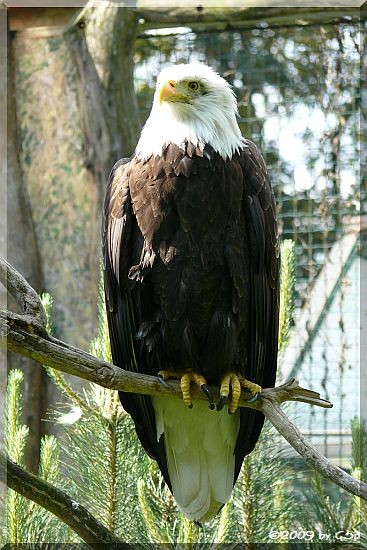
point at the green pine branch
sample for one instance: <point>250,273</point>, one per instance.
<point>15,440</point>
<point>287,292</point>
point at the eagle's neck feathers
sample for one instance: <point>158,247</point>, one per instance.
<point>205,123</point>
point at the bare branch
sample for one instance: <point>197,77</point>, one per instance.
<point>26,297</point>
<point>60,504</point>
<point>294,437</point>
<point>292,391</point>
<point>32,341</point>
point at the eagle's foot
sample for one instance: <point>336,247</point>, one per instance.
<point>200,381</point>
<point>255,389</point>
<point>185,380</point>
<point>233,383</point>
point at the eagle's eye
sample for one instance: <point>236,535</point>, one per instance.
<point>193,85</point>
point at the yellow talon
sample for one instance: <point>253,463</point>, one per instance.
<point>254,388</point>
<point>233,383</point>
<point>185,388</point>
<point>185,380</point>
<point>225,385</point>
<point>229,382</point>
<point>236,393</point>
<point>198,379</point>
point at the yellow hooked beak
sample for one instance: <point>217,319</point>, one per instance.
<point>168,89</point>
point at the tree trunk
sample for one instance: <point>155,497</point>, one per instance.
<point>76,114</point>
<point>23,253</point>
<point>74,95</point>
<point>109,34</point>
<point>102,45</point>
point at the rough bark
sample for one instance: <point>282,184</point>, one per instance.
<point>110,38</point>
<point>23,253</point>
<point>62,191</point>
<point>66,129</point>
<point>101,44</point>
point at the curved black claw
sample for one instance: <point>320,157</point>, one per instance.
<point>254,398</point>
<point>162,380</point>
<point>206,390</point>
<point>222,400</point>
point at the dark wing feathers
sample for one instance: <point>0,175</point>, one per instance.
<point>262,345</point>
<point>123,303</point>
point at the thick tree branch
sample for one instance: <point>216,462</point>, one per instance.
<point>60,504</point>
<point>229,17</point>
<point>197,15</point>
<point>32,341</point>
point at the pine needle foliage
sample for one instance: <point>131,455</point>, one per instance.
<point>264,495</point>
<point>15,439</point>
<point>56,376</point>
<point>42,526</point>
<point>287,291</point>
<point>15,433</point>
<point>25,520</point>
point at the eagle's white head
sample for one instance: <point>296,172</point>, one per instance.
<point>191,103</point>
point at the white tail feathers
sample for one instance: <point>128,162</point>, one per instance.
<point>200,447</point>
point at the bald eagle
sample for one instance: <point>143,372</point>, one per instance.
<point>191,272</point>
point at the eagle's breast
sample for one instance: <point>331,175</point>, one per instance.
<point>187,205</point>
<point>185,186</point>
